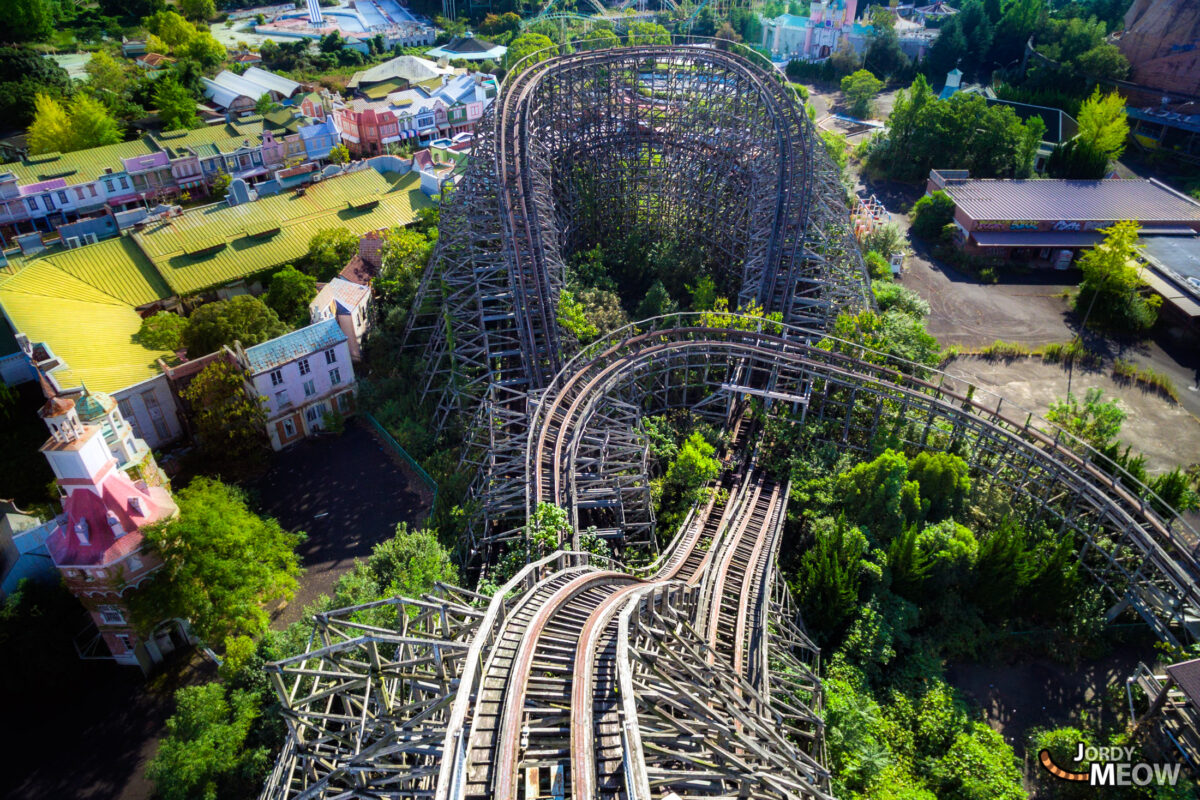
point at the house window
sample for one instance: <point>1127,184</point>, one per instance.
<point>310,388</point>
<point>331,356</point>
<point>335,376</point>
<point>289,428</point>
<point>344,402</point>
<point>62,197</point>
<point>304,368</point>
<point>276,377</point>
<point>110,187</point>
<point>312,414</point>
<point>32,203</point>
<point>92,189</point>
<point>112,615</point>
<point>156,415</point>
<point>135,564</point>
<point>281,399</point>
<point>126,409</point>
<point>123,638</point>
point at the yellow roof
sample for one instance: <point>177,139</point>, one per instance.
<point>221,244</point>
<point>81,304</point>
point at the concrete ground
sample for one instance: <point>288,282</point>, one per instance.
<point>347,493</point>
<point>1166,432</point>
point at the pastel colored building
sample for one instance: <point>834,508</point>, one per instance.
<point>415,116</point>
<point>350,304</point>
<point>302,376</point>
<point>829,25</point>
<point>40,193</point>
<point>97,542</point>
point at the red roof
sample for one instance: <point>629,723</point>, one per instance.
<point>103,547</point>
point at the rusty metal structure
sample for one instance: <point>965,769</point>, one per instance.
<point>691,675</point>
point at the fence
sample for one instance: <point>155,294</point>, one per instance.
<point>412,462</point>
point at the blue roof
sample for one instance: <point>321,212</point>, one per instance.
<point>792,21</point>
<point>297,344</point>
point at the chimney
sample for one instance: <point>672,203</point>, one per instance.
<point>115,525</point>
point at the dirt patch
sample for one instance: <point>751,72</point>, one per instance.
<point>1166,432</point>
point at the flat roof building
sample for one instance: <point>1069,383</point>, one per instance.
<point>1002,217</point>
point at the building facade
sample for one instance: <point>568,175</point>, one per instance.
<point>97,542</point>
<point>415,116</point>
<point>302,376</point>
<point>350,304</point>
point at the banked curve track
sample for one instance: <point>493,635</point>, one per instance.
<point>691,675</point>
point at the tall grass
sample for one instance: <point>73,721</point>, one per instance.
<point>1128,372</point>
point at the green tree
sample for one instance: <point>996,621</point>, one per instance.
<point>243,318</point>
<point>859,87</point>
<point>289,294</point>
<point>205,752</point>
<point>886,239</point>
<point>50,131</point>
<point>220,185</point>
<point>222,564</point>
<point>894,296</point>
<point>931,214</point>
<point>695,465</point>
<point>642,33</point>
<point>339,154</point>
<point>1097,422</point>
<point>171,28</point>
<point>1103,126</point>
<point>176,105</point>
<point>656,303</point>
<point>879,495</point>
<point>162,331</point>
<point>204,49</point>
<point>105,74</point>
<point>1112,294</point>
<point>883,52</point>
<point>411,562</point>
<point>943,481</point>
<point>570,315</point>
<point>830,576</point>
<point>980,765</point>
<point>1076,159</point>
<point>403,257</point>
<point>91,124</point>
<point>526,44</point>
<point>24,74</point>
<point>602,310</point>
<point>229,421</point>
<point>28,20</point>
<point>328,251</point>
<point>264,104</point>
<point>198,10</point>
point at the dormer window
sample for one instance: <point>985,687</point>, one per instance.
<point>81,532</point>
<point>115,524</point>
<point>135,505</point>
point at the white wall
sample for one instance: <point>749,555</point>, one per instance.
<point>137,404</point>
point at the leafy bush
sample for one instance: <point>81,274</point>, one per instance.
<point>1097,422</point>
<point>1005,350</point>
<point>894,296</point>
<point>931,214</point>
<point>886,239</point>
<point>163,331</point>
<point>878,268</point>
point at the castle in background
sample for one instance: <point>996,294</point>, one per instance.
<point>816,37</point>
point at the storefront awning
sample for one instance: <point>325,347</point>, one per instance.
<point>1036,238</point>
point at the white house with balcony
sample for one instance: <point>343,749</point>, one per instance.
<point>303,377</point>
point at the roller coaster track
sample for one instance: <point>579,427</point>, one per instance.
<point>691,674</point>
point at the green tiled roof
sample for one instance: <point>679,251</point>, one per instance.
<point>82,166</point>
<point>245,230</point>
<point>82,304</point>
<point>213,139</point>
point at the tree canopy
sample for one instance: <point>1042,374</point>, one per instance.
<point>963,132</point>
<point>289,294</point>
<point>204,753</point>
<point>243,318</point>
<point>328,252</point>
<point>162,331</point>
<point>859,87</point>
<point>82,124</point>
<point>176,105</point>
<point>24,74</point>
<point>228,420</point>
<point>222,564</point>
<point>528,43</point>
<point>1103,126</point>
<point>1113,295</point>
